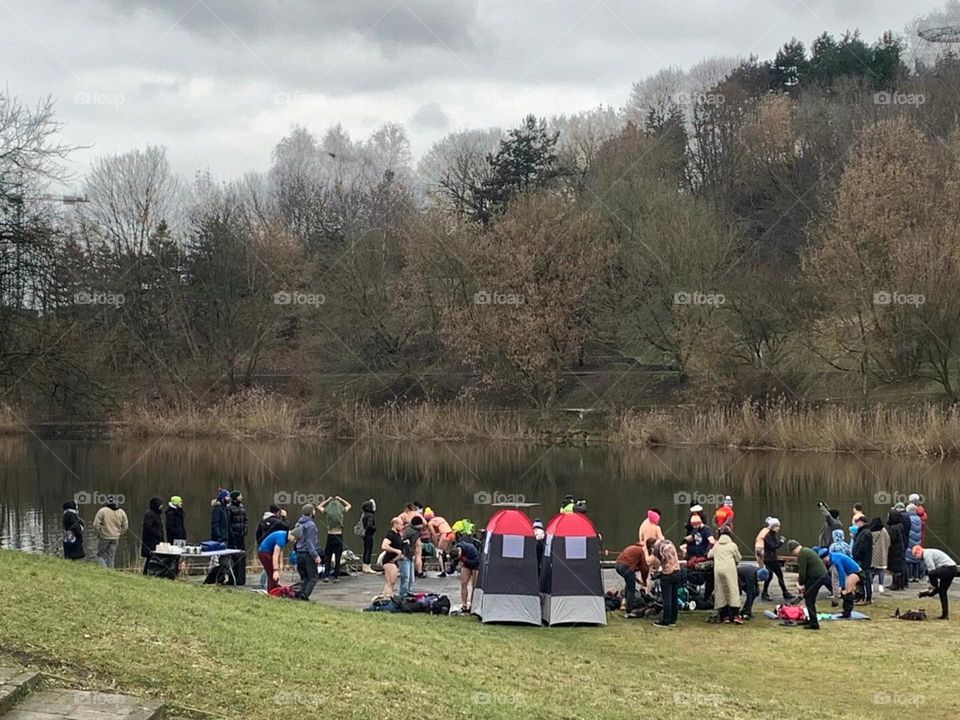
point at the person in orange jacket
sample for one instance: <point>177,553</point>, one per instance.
<point>723,517</point>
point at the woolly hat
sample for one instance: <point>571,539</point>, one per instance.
<point>772,523</point>
<point>223,494</point>
<point>653,516</point>
<point>728,501</point>
<point>914,498</point>
<point>900,506</point>
<point>307,510</point>
<point>538,524</point>
<point>176,501</point>
<point>235,494</point>
<point>428,514</point>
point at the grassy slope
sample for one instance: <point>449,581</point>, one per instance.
<point>242,655</point>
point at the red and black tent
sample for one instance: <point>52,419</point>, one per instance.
<point>507,587</point>
<point>571,582</point>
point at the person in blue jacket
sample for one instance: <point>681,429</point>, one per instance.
<point>915,568</point>
<point>849,575</point>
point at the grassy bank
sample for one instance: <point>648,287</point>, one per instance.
<point>233,654</point>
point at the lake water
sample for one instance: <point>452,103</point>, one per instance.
<point>36,477</point>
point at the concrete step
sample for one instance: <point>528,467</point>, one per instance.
<point>15,684</point>
<point>61,704</point>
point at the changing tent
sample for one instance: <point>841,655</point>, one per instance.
<point>571,583</point>
<point>508,589</point>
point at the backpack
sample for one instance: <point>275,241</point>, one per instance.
<point>440,606</point>
<point>282,591</point>
<point>794,613</point>
<point>358,528</point>
<point>910,615</point>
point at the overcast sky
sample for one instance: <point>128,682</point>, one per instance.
<point>220,81</point>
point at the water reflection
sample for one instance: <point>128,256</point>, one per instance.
<point>36,478</point>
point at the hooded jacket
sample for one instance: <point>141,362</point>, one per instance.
<point>916,534</point>
<point>726,557</point>
<point>308,541</point>
<point>839,545</point>
<point>237,528</point>
<point>152,534</point>
<point>110,522</point>
<point>895,558</point>
<point>862,551</point>
<point>830,523</point>
<point>72,532</point>
<point>368,520</point>
<point>219,521</point>
<point>881,544</point>
<point>269,523</point>
<point>845,566</point>
<point>176,528</point>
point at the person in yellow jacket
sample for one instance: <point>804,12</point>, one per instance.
<point>726,592</point>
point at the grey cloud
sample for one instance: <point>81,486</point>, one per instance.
<point>430,116</point>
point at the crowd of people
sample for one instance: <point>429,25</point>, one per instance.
<point>848,570</point>
<point>851,563</point>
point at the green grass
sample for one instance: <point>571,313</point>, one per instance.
<point>235,654</point>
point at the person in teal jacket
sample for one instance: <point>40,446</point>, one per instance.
<point>849,575</point>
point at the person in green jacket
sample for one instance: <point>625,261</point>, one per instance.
<point>813,576</point>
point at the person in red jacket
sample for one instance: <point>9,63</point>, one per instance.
<point>723,517</point>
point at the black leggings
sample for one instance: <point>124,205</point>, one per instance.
<point>368,546</point>
<point>334,548</point>
<point>940,580</point>
<point>776,568</point>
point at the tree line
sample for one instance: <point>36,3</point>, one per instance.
<point>741,227</point>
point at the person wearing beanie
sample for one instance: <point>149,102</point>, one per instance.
<point>308,556</point>
<point>152,533</point>
<point>811,576</point>
<point>915,567</point>
<point>879,550</point>
<point>237,535</point>
<point>368,525</point>
<point>895,562</point>
<point>726,594</point>
<point>174,521</point>
<point>650,531</point>
<point>772,543</point>
<point>698,541</point>
<point>758,541</point>
<point>941,570</point>
<point>849,575</point>
<point>917,501</point>
<point>723,517</point>
<point>567,505</point>
<point>862,554</point>
<point>219,518</point>
<point>697,509</point>
<point>109,524</point>
<point>73,528</point>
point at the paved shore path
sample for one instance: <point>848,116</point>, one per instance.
<point>356,591</point>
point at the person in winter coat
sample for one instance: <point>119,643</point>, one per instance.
<point>839,545</point>
<point>831,522</point>
<point>663,556</point>
<point>771,560</point>
<point>915,568</point>
<point>219,519</point>
<point>726,593</point>
<point>237,535</point>
<point>863,555</point>
<point>905,524</point>
<point>922,512</point>
<point>880,549</point>
<point>110,524</point>
<point>176,527</point>
<point>941,570</point>
<point>368,523</point>
<point>72,532</point>
<point>723,517</point>
<point>152,533</point>
<point>895,562</point>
